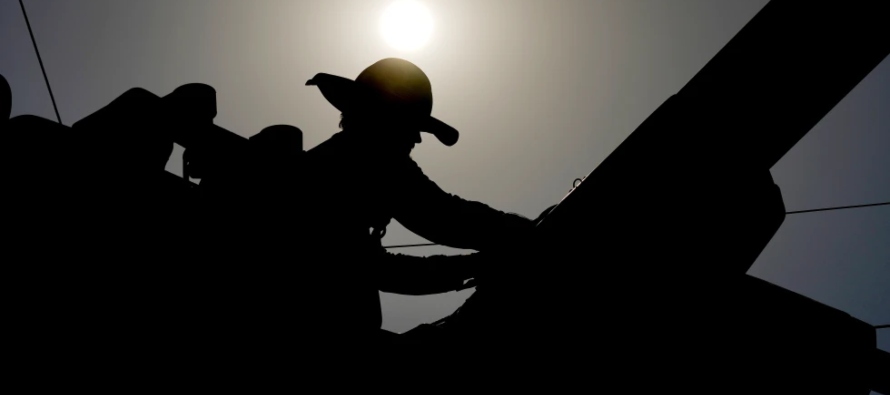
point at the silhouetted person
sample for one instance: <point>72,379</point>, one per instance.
<point>363,177</point>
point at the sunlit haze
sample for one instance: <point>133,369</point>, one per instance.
<point>406,25</point>
<point>540,91</point>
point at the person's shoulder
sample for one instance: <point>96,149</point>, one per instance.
<point>335,140</point>
<point>331,148</point>
<point>410,175</point>
<point>407,166</point>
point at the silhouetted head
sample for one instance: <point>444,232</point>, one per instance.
<point>5,100</point>
<point>390,102</point>
<point>279,140</point>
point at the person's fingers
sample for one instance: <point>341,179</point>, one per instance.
<point>469,284</point>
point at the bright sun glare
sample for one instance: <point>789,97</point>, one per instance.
<point>406,25</point>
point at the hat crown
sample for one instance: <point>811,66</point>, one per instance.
<point>396,84</point>
<point>390,87</point>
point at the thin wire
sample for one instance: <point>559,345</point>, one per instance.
<point>790,212</point>
<point>838,208</point>
<point>575,184</point>
<point>39,60</point>
<point>882,326</point>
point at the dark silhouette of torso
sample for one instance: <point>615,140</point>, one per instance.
<point>352,191</point>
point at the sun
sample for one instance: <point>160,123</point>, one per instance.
<point>406,25</point>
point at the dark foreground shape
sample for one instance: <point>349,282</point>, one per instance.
<point>117,266</point>
<point>641,270</point>
<point>638,279</point>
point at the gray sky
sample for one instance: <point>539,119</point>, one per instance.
<point>542,92</point>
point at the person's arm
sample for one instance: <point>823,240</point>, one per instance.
<point>449,220</point>
<point>414,275</point>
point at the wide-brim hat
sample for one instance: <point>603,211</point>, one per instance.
<point>392,85</point>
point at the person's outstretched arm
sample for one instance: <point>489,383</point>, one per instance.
<point>414,275</point>
<point>446,219</point>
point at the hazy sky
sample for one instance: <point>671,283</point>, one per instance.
<point>542,92</point>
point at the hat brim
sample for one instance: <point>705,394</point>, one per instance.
<point>339,91</point>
